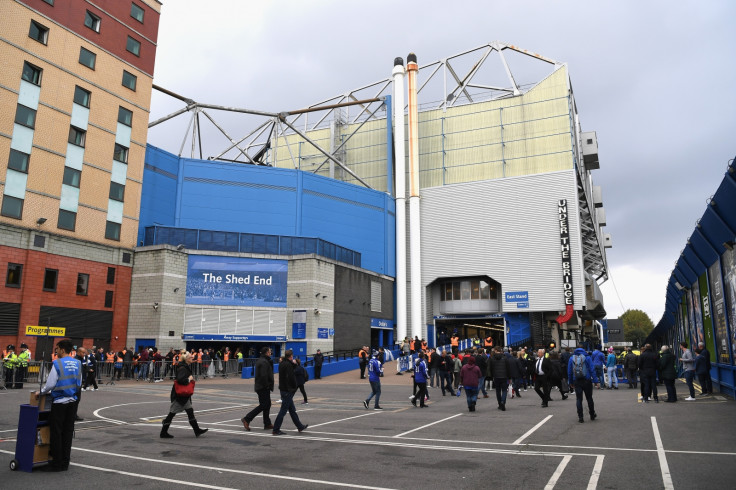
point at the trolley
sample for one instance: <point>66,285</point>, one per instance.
<point>34,435</point>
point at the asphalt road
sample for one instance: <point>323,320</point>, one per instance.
<point>653,445</point>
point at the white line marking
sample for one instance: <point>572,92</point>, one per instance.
<point>199,411</point>
<point>150,477</point>
<point>558,473</point>
<point>531,431</point>
<point>340,420</point>
<point>593,482</point>
<point>666,477</point>
<point>424,426</point>
<point>226,470</point>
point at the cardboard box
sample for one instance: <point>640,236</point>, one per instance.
<point>44,433</point>
<point>41,453</point>
<point>43,403</point>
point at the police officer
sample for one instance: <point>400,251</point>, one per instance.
<point>21,367</point>
<point>64,383</point>
<point>9,362</point>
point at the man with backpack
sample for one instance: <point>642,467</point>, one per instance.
<point>582,376</point>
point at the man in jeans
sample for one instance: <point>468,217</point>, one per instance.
<point>688,364</point>
<point>287,387</point>
<point>374,377</point>
<point>582,375</point>
<point>263,375</point>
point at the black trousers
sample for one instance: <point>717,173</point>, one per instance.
<point>421,392</point>
<point>61,426</point>
<point>264,405</point>
<point>584,387</point>
<point>362,369</point>
<point>91,379</point>
<point>542,387</point>
<point>317,371</point>
<point>20,376</point>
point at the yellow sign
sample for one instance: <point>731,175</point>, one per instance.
<point>52,331</point>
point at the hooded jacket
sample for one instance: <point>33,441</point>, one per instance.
<point>588,364</point>
<point>470,374</point>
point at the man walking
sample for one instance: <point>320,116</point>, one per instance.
<point>688,364</point>
<point>598,360</point>
<point>648,361</point>
<point>319,359</point>
<point>375,370</point>
<point>481,360</point>
<point>582,375</point>
<point>631,363</point>
<point>445,366</point>
<point>263,387</point>
<point>287,387</point>
<point>542,371</point>
<point>420,378</point>
<point>498,370</point>
<point>611,370</point>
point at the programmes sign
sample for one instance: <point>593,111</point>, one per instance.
<point>235,281</point>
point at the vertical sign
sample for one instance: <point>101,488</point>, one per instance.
<point>718,307</point>
<point>707,317</point>
<point>565,252</point>
<point>299,324</point>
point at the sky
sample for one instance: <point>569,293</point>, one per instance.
<point>656,81</point>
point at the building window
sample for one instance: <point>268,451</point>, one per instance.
<point>111,275</point>
<point>25,116</point>
<point>77,136</point>
<point>127,257</point>
<point>18,161</point>
<point>92,21</point>
<point>67,220</point>
<point>12,207</point>
<point>120,154</point>
<point>38,32</point>
<point>129,80</point>
<point>31,73</point>
<point>50,2</point>
<point>136,12</point>
<point>117,191</point>
<point>108,299</point>
<point>125,116</point>
<point>81,96</point>
<point>39,241</point>
<point>72,176</point>
<point>49,280</point>
<point>485,290</point>
<point>82,284</point>
<point>87,58</point>
<point>112,231</point>
<point>15,272</point>
<point>133,46</point>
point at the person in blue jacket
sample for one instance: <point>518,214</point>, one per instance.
<point>375,370</point>
<point>611,370</point>
<point>598,359</point>
<point>420,378</point>
<point>582,375</point>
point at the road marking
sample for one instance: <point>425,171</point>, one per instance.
<point>221,470</point>
<point>666,477</point>
<point>593,482</point>
<point>221,409</point>
<point>558,472</point>
<point>340,420</point>
<point>428,425</point>
<point>531,431</point>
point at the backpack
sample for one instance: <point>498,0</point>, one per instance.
<point>579,367</point>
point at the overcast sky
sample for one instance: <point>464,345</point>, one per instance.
<point>656,80</point>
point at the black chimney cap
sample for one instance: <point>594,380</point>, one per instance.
<point>412,58</point>
<point>399,61</point>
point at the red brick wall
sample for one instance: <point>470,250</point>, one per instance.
<point>31,294</point>
<point>113,35</point>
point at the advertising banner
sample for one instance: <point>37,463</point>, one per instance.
<point>728,260</point>
<point>718,312</point>
<point>236,281</point>
<point>707,317</point>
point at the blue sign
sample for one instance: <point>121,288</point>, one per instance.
<point>517,296</point>
<point>522,305</point>
<point>234,338</point>
<point>298,330</point>
<point>380,323</point>
<point>322,333</point>
<point>332,332</point>
<point>236,281</point>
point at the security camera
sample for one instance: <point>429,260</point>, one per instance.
<point>155,306</point>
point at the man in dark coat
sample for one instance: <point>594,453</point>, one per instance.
<point>498,370</point>
<point>668,373</point>
<point>319,359</point>
<point>631,363</point>
<point>648,363</point>
<point>287,387</point>
<point>707,388</point>
<point>542,373</point>
<point>263,386</point>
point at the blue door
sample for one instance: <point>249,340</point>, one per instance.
<point>299,348</point>
<point>144,343</point>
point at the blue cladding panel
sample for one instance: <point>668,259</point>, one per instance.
<point>158,196</point>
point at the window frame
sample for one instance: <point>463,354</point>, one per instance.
<point>58,220</point>
<point>83,133</point>
<point>83,50</point>
<point>124,153</point>
<point>42,30</point>
<point>35,69</point>
<point>32,125</point>
<point>85,283</point>
<point>96,21</point>
<point>107,229</point>
<point>78,89</point>
<point>11,165</point>
<point>134,6</point>
<point>72,173</point>
<point>56,280</point>
<point>116,197</point>
<point>111,271</point>
<point>128,111</point>
<point>2,207</point>
<point>20,276</point>
<point>130,77</point>
<point>136,46</point>
<point>109,297</point>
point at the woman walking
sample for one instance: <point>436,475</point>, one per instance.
<point>181,397</point>
<point>469,379</point>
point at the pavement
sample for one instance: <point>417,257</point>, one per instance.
<point>646,445</point>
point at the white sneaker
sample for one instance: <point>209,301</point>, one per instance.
<point>689,399</point>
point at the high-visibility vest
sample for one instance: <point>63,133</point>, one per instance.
<point>424,345</point>
<point>199,357</point>
<point>110,357</point>
<point>489,342</point>
<point>455,340</point>
<point>24,357</point>
<point>69,371</point>
<point>226,356</point>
